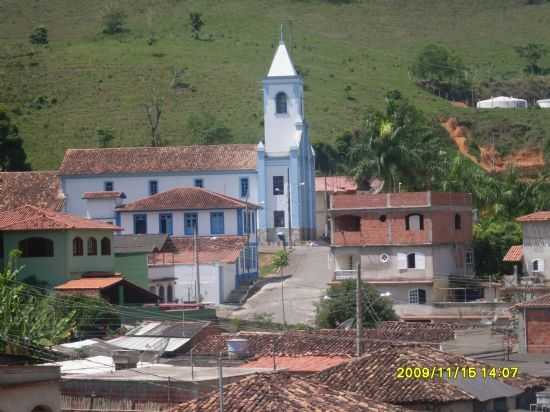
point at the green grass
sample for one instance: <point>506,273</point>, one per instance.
<point>100,81</point>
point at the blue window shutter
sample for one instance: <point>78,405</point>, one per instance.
<point>190,219</point>
<point>244,186</point>
<point>217,223</point>
<point>240,221</point>
<point>117,218</point>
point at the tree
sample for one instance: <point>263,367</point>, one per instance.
<point>39,35</point>
<point>326,158</point>
<point>113,19</point>
<point>94,317</point>
<point>492,239</point>
<point>532,53</point>
<point>153,110</point>
<point>27,317</point>
<point>206,129</point>
<point>196,24</point>
<point>399,146</point>
<point>12,155</point>
<point>104,137</point>
<point>441,71</point>
<point>280,260</point>
<point>339,305</point>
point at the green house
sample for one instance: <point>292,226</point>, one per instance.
<point>55,247</point>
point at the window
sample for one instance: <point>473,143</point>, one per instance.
<point>165,223</point>
<point>216,223</point>
<point>278,185</point>
<point>244,186</point>
<point>411,261</point>
<point>414,222</point>
<point>190,223</point>
<point>105,246</point>
<point>537,265</point>
<point>417,296</point>
<point>78,247</point>
<point>279,218</point>
<point>469,257</point>
<point>458,222</point>
<point>140,224</point>
<point>92,246</point>
<point>169,294</point>
<point>36,247</point>
<point>199,183</point>
<point>280,103</point>
<point>108,186</point>
<point>153,187</point>
<point>161,294</point>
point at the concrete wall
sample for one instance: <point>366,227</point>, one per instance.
<point>217,280</point>
<point>101,209</point>
<point>536,245</point>
<point>80,264</point>
<point>137,186</point>
<point>133,266</point>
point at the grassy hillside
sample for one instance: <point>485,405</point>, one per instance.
<point>84,80</point>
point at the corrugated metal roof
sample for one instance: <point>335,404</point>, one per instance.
<point>79,344</point>
<point>484,389</point>
<point>168,329</point>
<point>149,344</point>
<point>91,365</point>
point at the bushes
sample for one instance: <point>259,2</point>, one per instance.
<point>39,35</point>
<point>113,19</point>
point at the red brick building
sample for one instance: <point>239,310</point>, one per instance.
<point>410,245</point>
<point>534,325</point>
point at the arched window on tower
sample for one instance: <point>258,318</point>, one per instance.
<point>78,247</point>
<point>92,246</point>
<point>280,101</point>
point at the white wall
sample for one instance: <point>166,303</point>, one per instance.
<point>279,202</point>
<point>280,129</point>
<point>100,209</point>
<point>137,187</point>
<point>536,245</point>
<point>209,277</point>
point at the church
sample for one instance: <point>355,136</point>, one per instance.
<point>277,175</point>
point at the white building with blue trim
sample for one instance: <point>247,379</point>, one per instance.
<point>277,174</point>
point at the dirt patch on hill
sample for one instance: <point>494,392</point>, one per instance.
<point>526,160</point>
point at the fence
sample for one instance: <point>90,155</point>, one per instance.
<point>98,404</point>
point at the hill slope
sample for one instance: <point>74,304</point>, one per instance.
<point>85,80</point>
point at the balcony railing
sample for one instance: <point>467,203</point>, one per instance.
<point>345,274</point>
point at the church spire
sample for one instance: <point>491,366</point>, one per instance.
<point>281,66</point>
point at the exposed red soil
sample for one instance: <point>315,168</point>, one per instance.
<point>526,160</point>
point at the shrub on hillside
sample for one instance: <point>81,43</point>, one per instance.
<point>39,35</point>
<point>113,19</point>
<point>196,24</point>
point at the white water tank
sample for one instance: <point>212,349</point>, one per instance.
<point>237,348</point>
<point>502,102</point>
<point>544,103</point>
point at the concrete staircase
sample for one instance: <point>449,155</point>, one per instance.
<point>236,296</point>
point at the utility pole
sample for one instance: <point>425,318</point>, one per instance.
<point>281,236</point>
<point>220,380</point>
<point>359,313</point>
<point>196,261</point>
<point>289,210</point>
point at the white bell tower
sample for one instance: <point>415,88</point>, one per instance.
<point>283,104</point>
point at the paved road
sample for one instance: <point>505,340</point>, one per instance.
<point>310,274</point>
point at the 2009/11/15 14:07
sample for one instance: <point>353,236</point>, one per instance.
<point>455,372</point>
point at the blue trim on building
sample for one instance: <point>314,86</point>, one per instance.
<point>169,223</point>
<point>239,221</point>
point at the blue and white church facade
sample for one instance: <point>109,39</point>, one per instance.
<point>277,174</point>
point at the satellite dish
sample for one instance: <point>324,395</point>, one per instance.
<point>384,258</point>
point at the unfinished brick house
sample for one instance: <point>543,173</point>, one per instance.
<point>408,245</point>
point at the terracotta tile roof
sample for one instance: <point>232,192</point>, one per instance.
<point>90,283</point>
<point>540,302</point>
<point>307,364</point>
<point>328,342</point>
<point>378,368</point>
<point>103,195</point>
<point>185,198</point>
<point>514,254</point>
<point>541,216</point>
<point>158,159</point>
<point>335,184</point>
<point>138,243</point>
<point>223,249</point>
<point>282,392</point>
<point>33,218</point>
<point>41,189</point>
